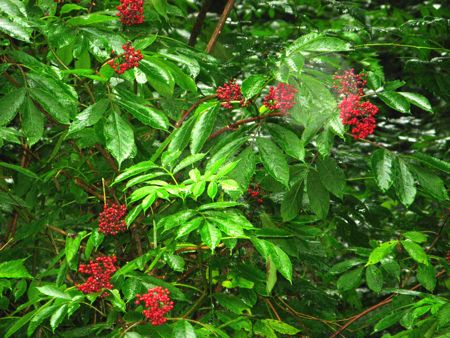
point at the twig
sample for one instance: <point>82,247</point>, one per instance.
<point>107,157</point>
<point>199,23</point>
<point>193,107</point>
<point>219,26</point>
<point>374,307</point>
<point>58,230</point>
<point>269,303</point>
<point>236,124</point>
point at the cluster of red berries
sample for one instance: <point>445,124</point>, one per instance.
<point>350,83</point>
<point>129,59</point>
<point>230,91</point>
<point>255,194</point>
<point>111,220</point>
<point>280,97</point>
<point>131,12</point>
<point>101,271</point>
<point>157,303</point>
<point>448,256</point>
<point>359,114</point>
<point>353,110</point>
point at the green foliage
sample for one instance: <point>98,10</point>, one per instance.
<point>259,222</point>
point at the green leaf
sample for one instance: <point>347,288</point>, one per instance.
<point>188,227</point>
<point>52,106</point>
<point>147,115</point>
<point>181,137</point>
<point>415,236</point>
<point>90,19</point>
<point>186,162</point>
<point>418,100</point>
<point>415,251</point>
<point>206,117</point>
<point>119,137</point>
<point>212,190</point>
<point>332,176</point>
<point>388,321</point>
<point>219,205</point>
<point>374,278</point>
<point>210,235</point>
<point>395,101</point>
<point>404,183</point>
<point>290,206</point>
<point>319,198</point>
<point>426,275</point>
<point>58,317</point>
<point>39,317</point>
<point>253,85</point>
<point>263,330</point>
<point>345,265</point>
<point>134,170</point>
<point>382,168</point>
<point>117,301</point>
<point>20,289</point>
<point>10,104</point>
<point>32,122</point>
<point>288,141</point>
<point>281,327</point>
<point>175,262</point>
<point>67,8</point>
<point>14,269</point>
<point>90,116</point>
<point>95,239</point>
<point>160,7</point>
<point>158,75</point>
<point>433,162</point>
<point>381,252</point>
<point>176,219</point>
<point>15,29</point>
<point>430,183</point>
<point>271,275</point>
<point>72,247</point>
<point>245,170</point>
<point>350,280</point>
<point>183,329</point>
<point>282,261</point>
<point>182,79</point>
<point>18,324</point>
<point>314,42</point>
<point>19,169</point>
<point>231,302</point>
<point>53,291</point>
<point>227,226</point>
<point>273,160</point>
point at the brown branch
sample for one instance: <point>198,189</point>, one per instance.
<point>236,124</point>
<point>58,230</point>
<point>374,307</point>
<point>192,108</point>
<point>219,26</point>
<point>269,303</point>
<point>199,23</point>
<point>107,157</point>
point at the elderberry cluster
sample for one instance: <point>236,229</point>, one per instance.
<point>111,220</point>
<point>280,98</point>
<point>100,271</point>
<point>131,12</point>
<point>157,303</point>
<point>354,111</point>
<point>128,60</point>
<point>230,91</point>
<point>255,194</point>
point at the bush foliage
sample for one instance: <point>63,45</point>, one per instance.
<point>181,168</point>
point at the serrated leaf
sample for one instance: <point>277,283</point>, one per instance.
<point>332,176</point>
<point>15,29</point>
<point>426,275</point>
<point>158,75</point>
<point>52,106</point>
<point>290,206</point>
<point>415,236</point>
<point>119,137</point>
<point>271,275</point>
<point>319,198</point>
<point>231,302</point>
<point>89,19</point>
<point>18,324</point>
<point>282,262</point>
<point>14,269</point>
<point>19,169</point>
<point>186,162</point>
<point>388,321</point>
<point>430,183</point>
<point>281,327</point>
<point>183,329</point>
<point>350,280</point>
<point>253,85</point>
<point>273,160</point>
<point>204,124</point>
<point>345,265</point>
<point>187,228</point>
<point>10,104</point>
<point>176,219</point>
<point>210,235</point>
<point>32,122</point>
<point>175,262</point>
<point>52,291</point>
<point>415,251</point>
<point>72,247</point>
<point>418,100</point>
<point>58,317</point>
<point>382,167</point>
<point>117,301</point>
<point>381,252</point>
<point>90,116</point>
<point>147,115</point>
<point>314,42</point>
<point>374,278</point>
<point>40,315</point>
<point>288,141</point>
<point>433,162</point>
<point>395,101</point>
<point>404,183</point>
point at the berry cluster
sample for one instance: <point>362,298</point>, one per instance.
<point>129,59</point>
<point>353,110</point>
<point>359,114</point>
<point>157,303</point>
<point>131,12</point>
<point>255,194</point>
<point>350,83</point>
<point>280,97</point>
<point>111,220</point>
<point>101,271</point>
<point>230,91</point>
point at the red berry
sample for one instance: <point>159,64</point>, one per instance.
<point>358,114</point>
<point>230,91</point>
<point>129,59</point>
<point>280,97</point>
<point>157,303</point>
<point>101,271</point>
<point>111,220</point>
<point>350,83</point>
<point>131,12</point>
